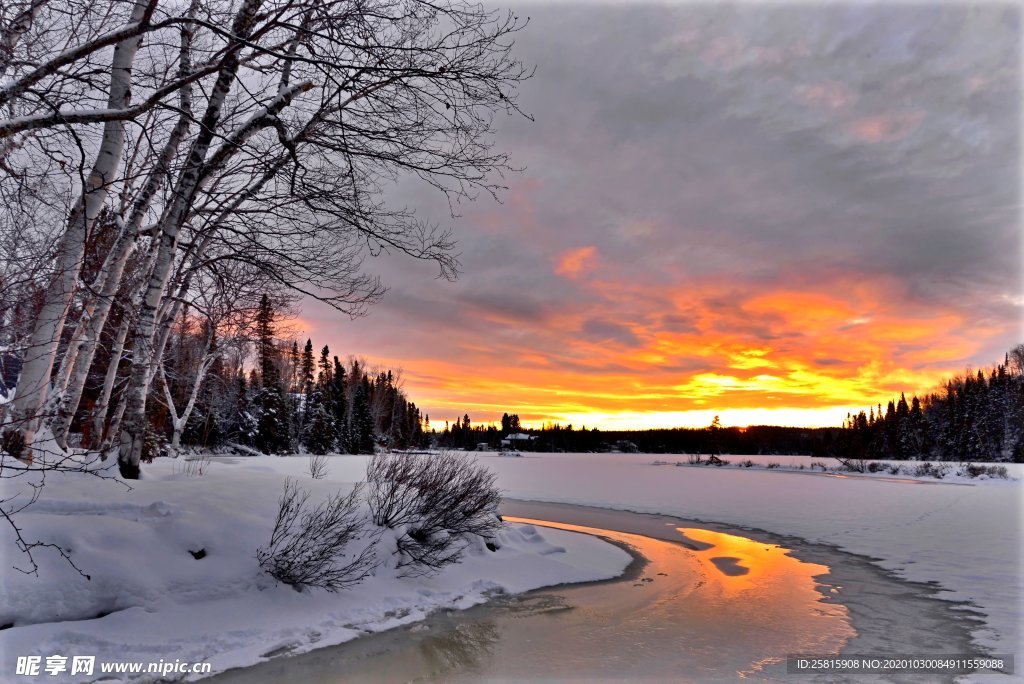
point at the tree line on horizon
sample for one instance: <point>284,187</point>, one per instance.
<point>974,416</point>
<point>554,437</point>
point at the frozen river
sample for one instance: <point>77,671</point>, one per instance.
<point>699,603</point>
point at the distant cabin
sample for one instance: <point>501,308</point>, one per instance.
<point>516,440</point>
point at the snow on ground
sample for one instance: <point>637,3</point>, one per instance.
<point>157,602</point>
<point>902,470</point>
<point>163,604</point>
<point>964,534</point>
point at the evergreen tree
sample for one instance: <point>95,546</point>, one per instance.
<point>321,432</point>
<point>468,442</point>
<point>978,416</point>
<point>306,368</point>
<point>245,426</point>
<point>294,362</point>
<point>274,419</point>
<point>362,419</point>
<point>339,406</point>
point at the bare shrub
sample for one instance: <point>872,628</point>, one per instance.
<point>929,469</point>
<point>390,488</point>
<point>998,471</point>
<point>307,546</point>
<point>194,465</point>
<point>874,467</point>
<point>773,464</point>
<point>819,464</point>
<point>694,459</point>
<point>440,500</point>
<point>971,470</point>
<point>317,466</point>
<point>854,465</point>
<point>895,469</point>
<point>746,463</point>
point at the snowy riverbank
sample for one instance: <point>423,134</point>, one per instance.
<point>963,535</point>
<point>149,599</point>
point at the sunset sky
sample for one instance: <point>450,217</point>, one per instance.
<point>776,214</point>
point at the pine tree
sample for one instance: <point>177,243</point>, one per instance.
<point>294,362</point>
<point>339,406</point>
<point>274,420</point>
<point>306,368</point>
<point>917,430</point>
<point>245,426</point>
<point>468,442</point>
<point>321,433</point>
<point>362,419</point>
<point>903,447</point>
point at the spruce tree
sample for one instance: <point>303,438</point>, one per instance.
<point>362,419</point>
<point>339,407</point>
<point>274,420</point>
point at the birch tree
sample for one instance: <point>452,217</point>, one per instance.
<point>39,356</point>
<point>260,133</point>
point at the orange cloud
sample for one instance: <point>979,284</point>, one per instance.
<point>797,353</point>
<point>827,96</point>
<point>575,262</point>
<point>886,127</point>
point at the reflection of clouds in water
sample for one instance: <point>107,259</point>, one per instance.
<point>730,566</point>
<point>693,544</point>
<point>467,646</point>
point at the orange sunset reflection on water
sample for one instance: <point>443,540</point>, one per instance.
<point>701,588</point>
<point>739,565</point>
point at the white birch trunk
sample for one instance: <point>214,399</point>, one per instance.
<point>178,422</point>
<point>11,34</point>
<point>82,351</point>
<point>70,380</point>
<point>34,383</point>
<point>115,427</point>
<point>133,430</point>
<point>99,412</point>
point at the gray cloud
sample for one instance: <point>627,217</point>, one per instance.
<point>752,146</point>
<point>598,330</point>
<point>715,127</point>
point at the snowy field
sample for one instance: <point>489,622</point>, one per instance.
<point>960,533</point>
<point>156,602</point>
